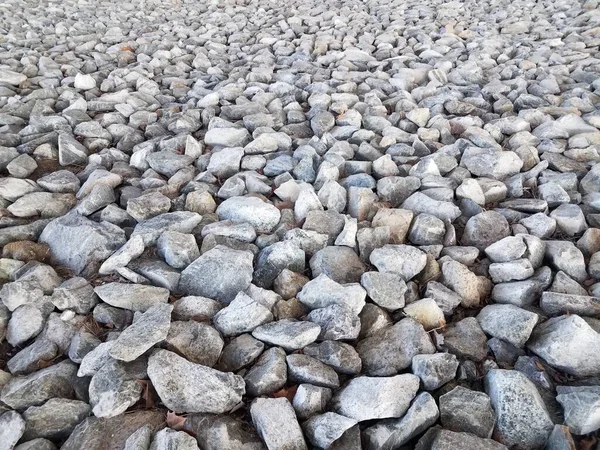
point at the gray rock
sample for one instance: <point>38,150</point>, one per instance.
<point>366,398</point>
<point>114,387</point>
<point>12,427</point>
<point>554,304</point>
<point>402,260</point>
<point>342,357</point>
<point>132,249</point>
<point>466,339</point>
<point>195,308</point>
<point>567,343</point>
<point>322,291</point>
<point>464,410</point>
<point>148,205</point>
<point>30,358</point>
<point>33,390</point>
<point>580,405</point>
<point>181,221</point>
<point>275,258</point>
<point>167,439</point>
<point>341,264</point>
<point>242,315</point>
<point>336,322</point>
<point>222,432</point>
<point>560,439</point>
<point>198,342</point>
<point>563,255</point>
<point>140,439</point>
<point>70,151</point>
<point>136,297</point>
<point>422,204</point>
<point>392,349</point>
<point>269,374</point>
<point>521,416</point>
<point>56,419</point>
<point>508,322</point>
<point>446,440</point>
<point>484,229</point>
<point>323,430</point>
<point>36,444</point>
<point>76,294</point>
<point>288,334</point>
<point>263,216</point>
<point>434,370</point>
<point>149,328</point>
<point>461,280</point>
<point>77,242</point>
<point>220,273</point>
<point>187,387</point>
<point>26,322</point>
<point>393,433</point>
<point>385,289</point>
<point>61,181</point>
<point>178,249</point>
<point>276,423</point>
<point>305,369</point>
<point>239,352</point>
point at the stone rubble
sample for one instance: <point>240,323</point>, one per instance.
<point>250,225</point>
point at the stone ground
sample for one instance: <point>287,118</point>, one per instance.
<point>244,225</point>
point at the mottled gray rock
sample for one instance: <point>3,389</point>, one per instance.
<point>391,350</point>
<point>263,216</point>
<point>220,273</point>
<point>521,416</point>
<point>341,264</point>
<point>276,423</point>
<point>508,322</point>
<point>484,229</point>
<point>33,390</point>
<point>222,432</point>
<point>198,342</point>
<point>136,297</point>
<point>469,411</point>
<point>148,205</point>
<point>563,255</point>
<point>385,289</point>
<point>305,369</point>
<point>366,398</point>
<point>466,339</point>
<point>393,433</point>
<point>76,294</point>
<point>178,249</point>
<point>167,439</point>
<point>56,419</point>
<point>325,429</point>
<point>434,370</point>
<point>567,343</point>
<point>275,258</point>
<point>187,387</point>
<point>402,260</point>
<point>242,315</point>
<point>288,334</point>
<point>12,427</point>
<point>76,242</point>
<point>322,291</point>
<point>420,203</point>
<point>441,439</point>
<point>336,322</point>
<point>239,352</point>
<point>580,405</point>
<point>560,439</point>
<point>555,303</point>
<point>140,439</point>
<point>342,357</point>
<point>181,221</point>
<point>465,283</point>
<point>148,329</point>
<point>269,373</point>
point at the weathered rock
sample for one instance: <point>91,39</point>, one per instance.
<point>277,425</point>
<point>288,334</point>
<point>136,297</point>
<point>56,419</point>
<point>366,398</point>
<point>521,416</point>
<point>220,273</point>
<point>464,410</point>
<point>187,387</point>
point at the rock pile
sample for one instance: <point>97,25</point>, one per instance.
<point>244,225</point>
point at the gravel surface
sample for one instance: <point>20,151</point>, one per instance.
<point>250,225</point>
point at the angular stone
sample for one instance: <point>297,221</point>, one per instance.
<point>322,291</point>
<point>466,339</point>
<point>391,350</point>
<point>581,406</point>
<point>242,315</point>
<point>263,216</point>
<point>150,328</point>
<point>12,427</point>
<point>402,260</point>
<point>323,430</point>
<point>288,334</point>
<point>434,370</point>
<point>77,242</point>
<point>569,344</point>
<point>136,297</point>
<point>390,434</point>
<point>341,264</point>
<point>342,357</point>
<point>484,229</point>
<point>464,410</point>
<point>521,416</point>
<point>277,425</point>
<point>385,289</point>
<point>508,322</point>
<point>220,273</point>
<point>367,398</point>
<point>305,369</point>
<point>56,419</point>
<point>187,387</point>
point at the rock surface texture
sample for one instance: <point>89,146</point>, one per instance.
<point>310,224</point>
